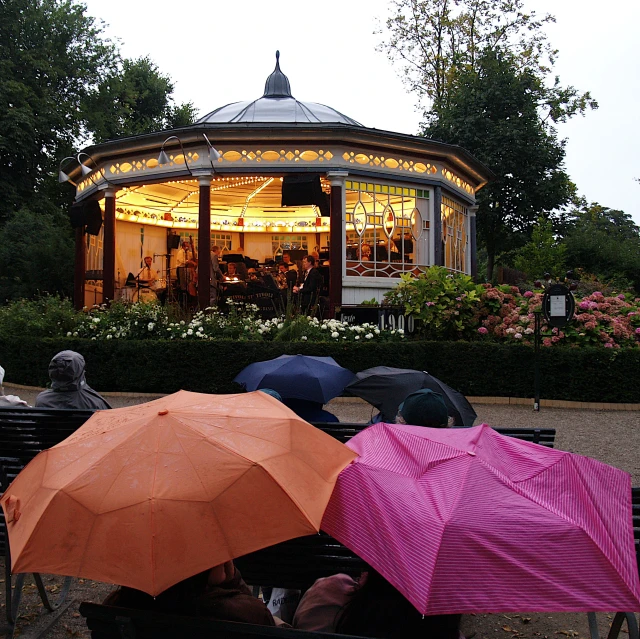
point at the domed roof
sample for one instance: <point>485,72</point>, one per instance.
<point>276,105</point>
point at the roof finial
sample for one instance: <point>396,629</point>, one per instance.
<point>277,84</point>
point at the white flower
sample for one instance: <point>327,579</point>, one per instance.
<point>369,335</point>
<point>376,331</point>
<point>183,335</point>
<point>75,333</point>
<point>304,338</point>
<point>190,331</point>
<point>150,326</point>
<point>400,331</point>
<point>518,335</point>
<point>280,326</point>
<point>96,320</point>
<point>528,331</point>
<point>357,336</point>
<point>69,334</point>
<point>335,334</point>
<point>510,330</point>
<point>109,336</point>
<point>324,327</point>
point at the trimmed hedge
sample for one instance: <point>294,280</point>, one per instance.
<point>474,368</point>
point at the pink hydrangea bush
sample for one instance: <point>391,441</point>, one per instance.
<point>507,315</point>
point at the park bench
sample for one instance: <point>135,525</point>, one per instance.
<point>25,432</point>
<point>275,566</point>
<point>109,622</point>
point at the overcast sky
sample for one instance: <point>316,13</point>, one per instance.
<point>218,52</point>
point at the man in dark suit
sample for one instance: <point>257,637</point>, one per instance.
<point>309,283</point>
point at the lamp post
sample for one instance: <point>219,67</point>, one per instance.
<point>558,306</point>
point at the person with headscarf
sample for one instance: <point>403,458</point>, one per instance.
<point>69,388</point>
<point>424,408</point>
<point>9,400</point>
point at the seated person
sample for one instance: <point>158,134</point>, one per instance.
<point>69,388</point>
<point>287,277</point>
<point>233,272</point>
<point>148,276</point>
<point>218,593</point>
<point>424,408</point>
<point>9,400</point>
<point>368,607</point>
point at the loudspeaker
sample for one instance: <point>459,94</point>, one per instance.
<point>93,217</point>
<point>173,242</point>
<point>298,190</point>
<point>87,214</point>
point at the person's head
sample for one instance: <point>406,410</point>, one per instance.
<point>377,609</point>
<point>66,371</point>
<point>308,261</point>
<point>424,408</point>
<point>273,393</point>
<point>315,255</point>
<point>185,245</point>
<point>232,269</point>
<point>286,258</point>
<point>215,249</point>
<point>283,268</point>
<point>147,261</point>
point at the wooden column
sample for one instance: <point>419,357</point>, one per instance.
<point>438,253</point>
<point>109,247</point>
<point>473,258</point>
<point>336,240</point>
<point>80,269</point>
<point>204,241</point>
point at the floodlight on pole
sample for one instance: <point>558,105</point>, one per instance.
<point>214,154</point>
<point>85,170</point>
<point>163,158</point>
<point>62,176</point>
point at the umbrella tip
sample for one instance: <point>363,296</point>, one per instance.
<point>164,411</point>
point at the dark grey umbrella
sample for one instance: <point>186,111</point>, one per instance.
<point>386,388</point>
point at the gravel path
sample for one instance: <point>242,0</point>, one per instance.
<point>610,436</point>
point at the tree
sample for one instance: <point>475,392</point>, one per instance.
<point>494,113</point>
<point>36,254</point>
<point>132,100</point>
<point>51,55</point>
<point>604,242</point>
<point>543,253</point>
<point>437,40</point>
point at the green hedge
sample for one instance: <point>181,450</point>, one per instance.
<point>474,368</point>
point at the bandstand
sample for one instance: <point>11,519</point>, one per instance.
<point>275,174</point>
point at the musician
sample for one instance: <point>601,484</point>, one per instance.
<point>215,275</point>
<point>287,278</point>
<point>148,276</point>
<point>309,283</point>
<point>184,255</point>
<point>286,259</point>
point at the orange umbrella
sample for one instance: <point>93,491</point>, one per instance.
<point>147,495</point>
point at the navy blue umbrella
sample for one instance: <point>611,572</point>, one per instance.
<point>315,379</point>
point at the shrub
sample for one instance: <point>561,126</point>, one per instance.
<point>444,301</point>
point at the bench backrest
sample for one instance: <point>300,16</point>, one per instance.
<point>344,432</point>
<point>25,432</point>
<point>110,622</point>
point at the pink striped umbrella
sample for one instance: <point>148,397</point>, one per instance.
<point>467,520</point>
